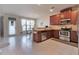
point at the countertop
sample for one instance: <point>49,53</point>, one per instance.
<point>56,27</point>
<point>48,29</point>
<point>44,29</point>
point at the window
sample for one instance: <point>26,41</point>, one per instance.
<point>23,22</point>
<point>27,24</point>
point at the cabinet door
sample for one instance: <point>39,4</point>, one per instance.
<point>54,20</point>
<point>74,17</point>
<point>51,20</point>
<point>36,37</point>
<point>49,34</point>
<point>74,37</point>
<point>57,18</point>
<point>56,34</point>
<point>66,14</point>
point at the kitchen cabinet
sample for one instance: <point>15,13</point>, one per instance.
<point>63,15</point>
<point>74,16</point>
<point>56,34</point>
<point>54,20</point>
<point>36,37</point>
<point>51,20</point>
<point>50,34</point>
<point>74,37</point>
<point>66,14</point>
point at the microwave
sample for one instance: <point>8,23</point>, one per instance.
<point>65,21</point>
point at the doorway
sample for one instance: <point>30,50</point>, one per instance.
<point>12,26</point>
<point>27,26</point>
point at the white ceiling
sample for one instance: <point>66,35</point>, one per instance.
<point>31,10</point>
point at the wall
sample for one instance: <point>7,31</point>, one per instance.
<point>5,26</point>
<point>42,22</point>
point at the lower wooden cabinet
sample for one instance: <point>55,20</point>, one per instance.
<point>50,34</point>
<point>56,34</point>
<point>74,37</point>
<point>36,37</point>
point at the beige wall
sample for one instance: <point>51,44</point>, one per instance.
<point>43,21</point>
<point>5,26</point>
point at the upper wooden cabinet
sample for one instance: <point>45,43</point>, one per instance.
<point>74,16</point>
<point>70,15</point>
<point>51,20</point>
<point>54,20</point>
<point>66,14</point>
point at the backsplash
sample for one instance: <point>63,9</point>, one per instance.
<point>58,27</point>
<point>74,27</point>
<point>55,27</point>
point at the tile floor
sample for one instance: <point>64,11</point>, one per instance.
<point>23,45</point>
<point>66,42</point>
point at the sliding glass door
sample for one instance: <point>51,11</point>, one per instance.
<point>27,25</point>
<point>30,25</point>
<point>23,23</point>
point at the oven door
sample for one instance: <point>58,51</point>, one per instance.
<point>64,35</point>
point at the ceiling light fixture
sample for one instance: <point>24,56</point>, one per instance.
<point>52,9</point>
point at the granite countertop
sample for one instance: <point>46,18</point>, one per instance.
<point>47,29</point>
<point>74,28</point>
<point>44,29</point>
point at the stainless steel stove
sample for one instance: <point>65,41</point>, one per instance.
<point>64,35</point>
